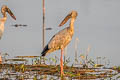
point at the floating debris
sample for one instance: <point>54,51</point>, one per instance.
<point>18,25</point>
<point>48,28</point>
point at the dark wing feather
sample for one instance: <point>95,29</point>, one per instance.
<point>45,50</point>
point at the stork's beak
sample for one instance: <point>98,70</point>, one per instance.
<point>65,20</point>
<point>11,14</point>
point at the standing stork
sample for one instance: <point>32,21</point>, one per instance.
<point>5,9</point>
<point>62,38</point>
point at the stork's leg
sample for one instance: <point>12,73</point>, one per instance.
<point>61,62</point>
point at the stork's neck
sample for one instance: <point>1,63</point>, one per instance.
<point>2,22</point>
<point>71,26</point>
<point>72,23</point>
<point>5,15</point>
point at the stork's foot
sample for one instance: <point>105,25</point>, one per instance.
<point>62,76</point>
<point>61,70</point>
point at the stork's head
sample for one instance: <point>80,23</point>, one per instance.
<point>72,14</point>
<point>5,9</point>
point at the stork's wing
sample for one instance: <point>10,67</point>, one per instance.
<point>59,40</point>
<point>55,42</point>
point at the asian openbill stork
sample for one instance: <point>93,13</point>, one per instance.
<point>62,38</point>
<point>5,9</point>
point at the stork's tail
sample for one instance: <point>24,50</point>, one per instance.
<point>45,50</point>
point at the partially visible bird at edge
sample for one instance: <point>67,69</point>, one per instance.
<point>62,38</point>
<point>5,9</point>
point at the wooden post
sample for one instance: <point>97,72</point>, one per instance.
<point>43,24</point>
<point>43,31</point>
